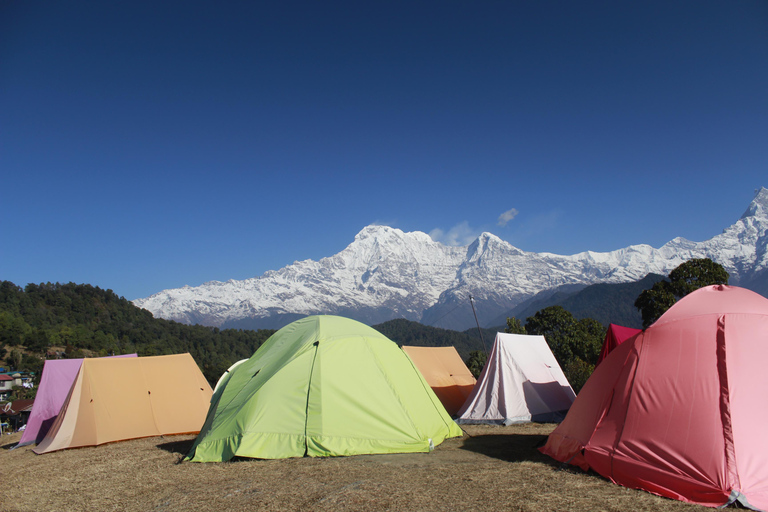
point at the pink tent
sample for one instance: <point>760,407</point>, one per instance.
<point>57,379</point>
<point>615,336</point>
<point>680,410</point>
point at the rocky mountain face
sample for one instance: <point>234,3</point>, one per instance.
<point>386,273</point>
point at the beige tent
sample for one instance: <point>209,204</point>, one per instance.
<point>127,398</point>
<point>445,373</point>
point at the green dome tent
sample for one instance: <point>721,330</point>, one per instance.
<point>322,386</point>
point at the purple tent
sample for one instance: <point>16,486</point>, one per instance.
<point>57,379</point>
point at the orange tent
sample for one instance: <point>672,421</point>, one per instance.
<point>127,398</point>
<point>445,373</point>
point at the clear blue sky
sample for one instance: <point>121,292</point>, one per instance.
<point>151,145</point>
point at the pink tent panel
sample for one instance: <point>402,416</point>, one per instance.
<point>58,376</point>
<point>615,336</point>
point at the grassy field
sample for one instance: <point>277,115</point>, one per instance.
<point>490,468</point>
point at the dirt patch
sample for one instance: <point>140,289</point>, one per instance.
<point>490,468</point>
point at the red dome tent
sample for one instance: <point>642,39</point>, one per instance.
<point>615,336</point>
<point>680,410</point>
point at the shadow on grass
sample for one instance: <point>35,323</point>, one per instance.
<point>178,447</point>
<point>8,446</point>
<point>182,448</point>
<point>510,447</point>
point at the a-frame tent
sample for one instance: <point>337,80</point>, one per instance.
<point>680,410</point>
<point>323,386</point>
<point>114,399</point>
<point>445,373</point>
<point>615,336</point>
<point>521,382</point>
<point>55,383</point>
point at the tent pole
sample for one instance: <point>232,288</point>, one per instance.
<point>472,301</point>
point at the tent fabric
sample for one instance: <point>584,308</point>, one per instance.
<point>58,376</point>
<point>114,399</point>
<point>615,336</point>
<point>445,373</point>
<point>323,386</point>
<point>680,409</point>
<point>521,382</point>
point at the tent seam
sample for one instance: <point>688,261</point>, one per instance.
<point>629,402</point>
<point>725,407</point>
<point>309,390</point>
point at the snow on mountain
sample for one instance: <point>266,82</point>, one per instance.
<point>386,273</point>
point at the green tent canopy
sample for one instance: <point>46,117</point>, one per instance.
<point>322,386</point>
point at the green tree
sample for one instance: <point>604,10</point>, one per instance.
<point>558,326</point>
<point>514,326</point>
<point>32,364</point>
<point>687,277</point>
<point>588,342</point>
<point>476,362</point>
<point>12,328</point>
<point>37,341</point>
<point>576,344</point>
<point>16,358</point>
<point>695,274</point>
<point>577,372</point>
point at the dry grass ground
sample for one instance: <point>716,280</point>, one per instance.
<point>491,468</point>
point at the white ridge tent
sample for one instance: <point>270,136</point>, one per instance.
<point>521,382</point>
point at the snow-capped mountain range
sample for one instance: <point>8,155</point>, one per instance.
<point>386,273</point>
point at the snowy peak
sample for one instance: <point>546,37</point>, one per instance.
<point>758,208</point>
<point>386,273</point>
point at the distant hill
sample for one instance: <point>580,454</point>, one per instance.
<point>84,320</point>
<point>606,303</point>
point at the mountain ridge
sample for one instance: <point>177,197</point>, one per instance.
<point>386,273</point>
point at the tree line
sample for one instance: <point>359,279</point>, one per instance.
<point>83,320</point>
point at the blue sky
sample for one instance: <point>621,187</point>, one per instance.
<point>152,145</point>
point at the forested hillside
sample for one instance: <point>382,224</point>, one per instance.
<point>84,320</point>
<point>406,332</point>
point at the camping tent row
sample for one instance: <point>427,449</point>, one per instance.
<point>114,399</point>
<point>680,409</point>
<point>321,386</point>
<point>327,386</point>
